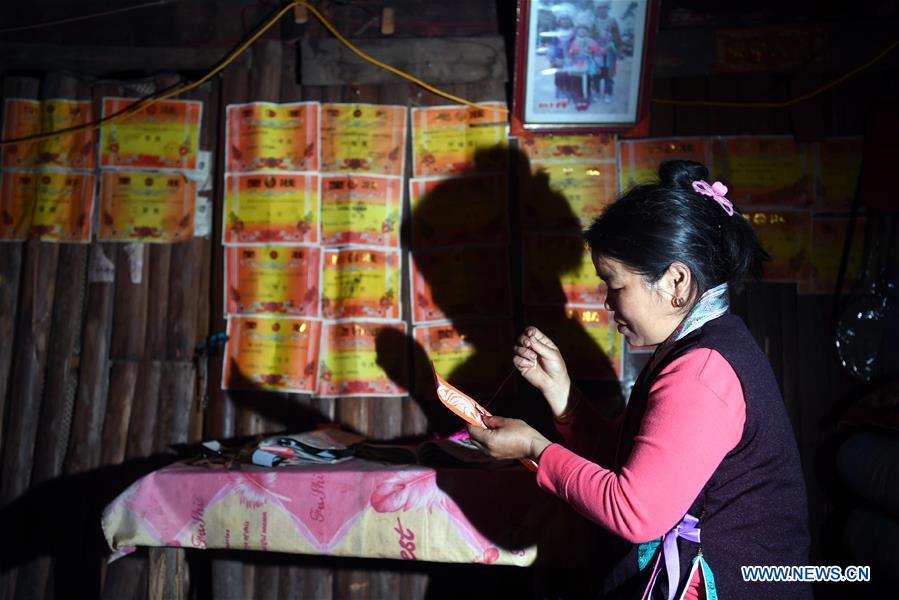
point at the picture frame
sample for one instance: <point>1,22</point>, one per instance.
<point>582,65</point>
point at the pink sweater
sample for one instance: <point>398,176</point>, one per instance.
<point>694,417</point>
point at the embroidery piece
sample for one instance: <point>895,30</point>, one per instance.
<point>467,408</point>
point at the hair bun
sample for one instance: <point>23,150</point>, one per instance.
<point>682,173</point>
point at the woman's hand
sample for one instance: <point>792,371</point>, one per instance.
<point>509,438</point>
<point>539,361</point>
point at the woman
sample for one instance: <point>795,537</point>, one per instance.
<point>705,475</point>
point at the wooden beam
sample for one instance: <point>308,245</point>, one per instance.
<point>168,574</point>
<point>326,61</point>
<point>105,59</point>
<point>679,52</point>
<point>10,274</point>
<point>32,340</point>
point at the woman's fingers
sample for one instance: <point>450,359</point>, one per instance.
<point>506,438</point>
<point>538,335</point>
<point>492,421</point>
<point>522,363</point>
<point>542,349</point>
<point>525,353</point>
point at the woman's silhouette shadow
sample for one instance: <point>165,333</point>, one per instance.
<point>468,294</point>
<point>466,248</point>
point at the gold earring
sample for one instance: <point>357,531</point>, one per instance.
<point>678,302</point>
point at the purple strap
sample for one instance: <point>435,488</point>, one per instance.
<point>686,529</point>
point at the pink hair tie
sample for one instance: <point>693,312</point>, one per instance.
<point>716,192</point>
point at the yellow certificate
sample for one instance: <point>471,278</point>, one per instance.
<point>786,236</point>
<point>271,208</point>
<point>558,269</point>
<point>452,139</point>
<point>29,117</point>
<point>164,135</point>
<point>774,171</point>
<point>361,283</point>
<point>263,136</point>
<point>363,138</point>
<point>139,206</point>
<point>361,209</point>
<point>277,354</point>
<point>63,207</point>
<point>18,191</point>
<point>21,118</point>
<point>72,150</point>
<point>839,163</point>
<point>578,192</point>
<point>357,359</point>
<point>640,159</point>
<point>448,211</point>
<point>550,146</point>
<point>276,280</point>
<point>601,328</point>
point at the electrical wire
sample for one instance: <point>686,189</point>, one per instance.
<point>231,57</point>
<point>145,102</point>
<point>104,13</point>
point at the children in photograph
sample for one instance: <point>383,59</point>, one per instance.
<point>582,64</point>
<point>557,42</point>
<point>608,37</point>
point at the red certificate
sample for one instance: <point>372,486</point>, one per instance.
<point>357,361</point>
<point>276,280</point>
<point>786,236</point>
<point>276,354</point>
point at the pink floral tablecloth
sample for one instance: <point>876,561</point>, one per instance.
<point>356,508</point>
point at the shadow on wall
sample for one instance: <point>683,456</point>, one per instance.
<point>466,244</point>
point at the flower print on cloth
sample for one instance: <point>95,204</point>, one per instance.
<point>411,491</point>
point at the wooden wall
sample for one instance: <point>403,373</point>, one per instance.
<point>98,378</point>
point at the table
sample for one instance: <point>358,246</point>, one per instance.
<point>356,508</point>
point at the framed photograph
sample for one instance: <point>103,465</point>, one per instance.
<point>583,65</point>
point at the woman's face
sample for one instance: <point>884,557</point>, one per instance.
<point>643,312</point>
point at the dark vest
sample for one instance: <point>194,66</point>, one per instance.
<point>753,509</point>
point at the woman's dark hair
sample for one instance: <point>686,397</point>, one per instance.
<point>654,225</point>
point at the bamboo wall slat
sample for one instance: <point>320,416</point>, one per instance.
<point>65,332</point>
<point>123,380</point>
<point>132,280</point>
<point>40,393</point>
<point>227,575</point>
<point>144,415</point>
<point>93,378</point>
<point>221,413</point>
<point>29,363</point>
<point>190,285</point>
